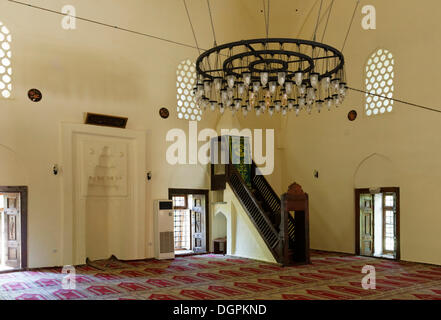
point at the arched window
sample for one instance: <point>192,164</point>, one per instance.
<point>5,62</point>
<point>379,81</point>
<point>185,82</point>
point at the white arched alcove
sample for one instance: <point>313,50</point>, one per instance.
<point>374,171</point>
<point>220,225</point>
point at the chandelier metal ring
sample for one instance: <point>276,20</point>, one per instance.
<point>228,65</point>
<point>274,74</point>
<point>204,71</point>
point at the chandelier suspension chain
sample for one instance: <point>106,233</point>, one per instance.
<point>191,25</point>
<point>350,25</point>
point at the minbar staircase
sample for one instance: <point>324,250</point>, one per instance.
<point>283,224</point>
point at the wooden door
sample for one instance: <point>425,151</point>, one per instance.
<point>366,224</point>
<point>12,229</point>
<point>198,224</point>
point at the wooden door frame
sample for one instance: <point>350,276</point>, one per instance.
<point>174,191</point>
<point>357,217</point>
<point>23,191</point>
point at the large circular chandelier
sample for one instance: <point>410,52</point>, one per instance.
<point>273,75</point>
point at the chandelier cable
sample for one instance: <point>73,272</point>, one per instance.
<point>396,100</point>
<point>318,20</point>
<point>105,24</point>
<point>266,17</point>
<point>350,25</point>
<point>327,20</point>
<point>191,25</point>
<point>212,24</point>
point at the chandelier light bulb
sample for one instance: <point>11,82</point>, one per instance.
<point>237,102</point>
<point>310,91</point>
<point>335,84</point>
<point>221,108</point>
<point>199,90</point>
<point>319,105</point>
<point>272,87</point>
<point>207,87</point>
<point>230,93</point>
<point>284,98</point>
<point>281,77</point>
<point>325,83</point>
<point>246,76</point>
<point>205,102</point>
<point>298,76</point>
<point>302,89</point>
<point>297,108</point>
<point>314,79</point>
<point>343,89</point>
<point>290,104</point>
<point>256,86</point>
<point>224,95</point>
<point>328,102</point>
<point>213,105</point>
<point>337,100</point>
<point>262,105</point>
<point>258,111</point>
<point>302,102</point>
<point>252,97</point>
<point>277,105</point>
<point>271,110</point>
<point>244,110</point>
<point>309,108</point>
<point>230,80</point>
<point>217,84</point>
<point>240,89</point>
<point>284,110</point>
<point>264,78</point>
<point>288,87</point>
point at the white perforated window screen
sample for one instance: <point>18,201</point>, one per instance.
<point>5,62</point>
<point>379,81</point>
<point>185,83</point>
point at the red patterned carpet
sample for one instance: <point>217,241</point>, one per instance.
<point>331,276</point>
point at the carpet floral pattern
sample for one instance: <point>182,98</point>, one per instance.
<point>330,276</point>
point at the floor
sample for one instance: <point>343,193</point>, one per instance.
<point>330,276</point>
